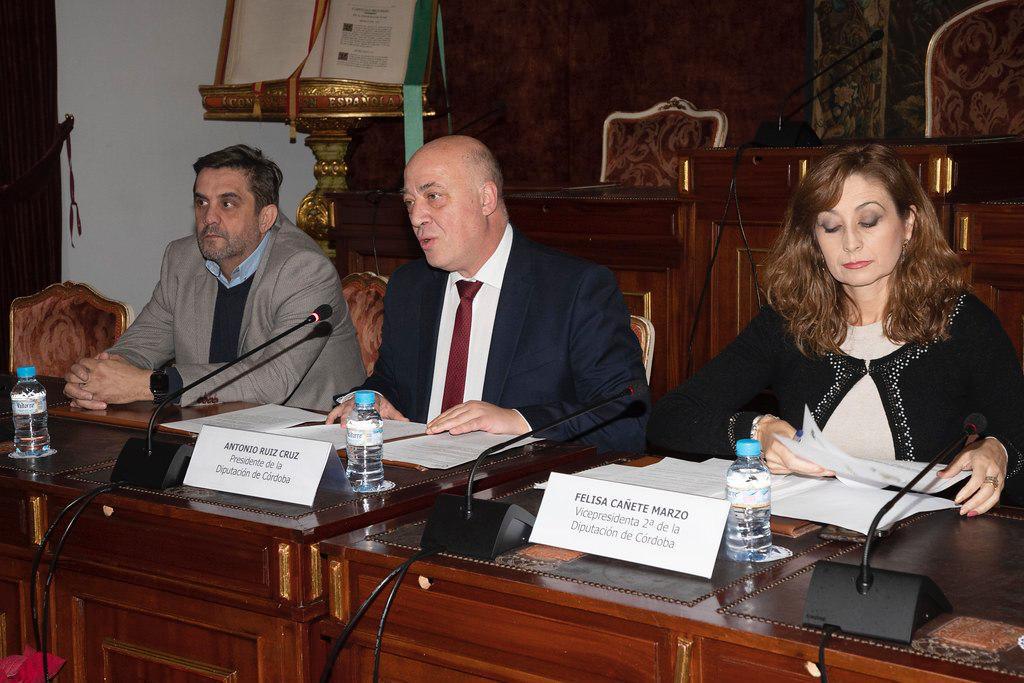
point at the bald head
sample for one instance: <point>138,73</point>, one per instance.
<point>470,153</point>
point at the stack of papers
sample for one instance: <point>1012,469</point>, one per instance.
<point>408,444</point>
<point>826,501</point>
<point>859,472</point>
<point>259,419</point>
<point>405,442</point>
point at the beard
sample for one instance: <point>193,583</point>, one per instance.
<point>226,247</point>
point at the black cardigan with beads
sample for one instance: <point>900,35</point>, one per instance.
<point>927,389</point>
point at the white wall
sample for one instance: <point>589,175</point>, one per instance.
<point>128,70</point>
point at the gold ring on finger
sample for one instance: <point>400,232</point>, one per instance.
<point>992,479</point>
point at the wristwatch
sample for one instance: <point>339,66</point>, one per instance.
<point>159,384</point>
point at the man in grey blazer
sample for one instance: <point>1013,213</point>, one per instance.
<point>251,276</point>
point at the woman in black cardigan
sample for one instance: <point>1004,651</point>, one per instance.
<point>869,323</point>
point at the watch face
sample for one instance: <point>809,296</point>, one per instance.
<point>159,382</point>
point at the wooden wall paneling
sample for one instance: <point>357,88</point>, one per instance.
<point>510,639</point>
<point>113,630</point>
<point>990,240</point>
<point>14,612</point>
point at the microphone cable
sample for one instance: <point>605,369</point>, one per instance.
<point>826,635</point>
<point>339,643</point>
<point>732,195</point>
<point>404,569</point>
<point>41,633</point>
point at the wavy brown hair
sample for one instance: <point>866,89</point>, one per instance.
<point>923,287</point>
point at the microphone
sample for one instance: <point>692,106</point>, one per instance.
<point>872,56</point>
<point>778,133</point>
<point>881,603</point>
<point>494,527</point>
<point>160,464</point>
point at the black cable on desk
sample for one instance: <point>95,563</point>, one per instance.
<point>339,643</point>
<point>83,502</point>
<point>387,607</point>
<point>826,634</point>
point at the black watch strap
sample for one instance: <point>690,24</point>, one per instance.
<point>159,384</point>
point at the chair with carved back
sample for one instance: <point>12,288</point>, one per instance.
<point>64,322</point>
<point>644,331</point>
<point>974,72</point>
<point>642,148</point>
<point>364,294</point>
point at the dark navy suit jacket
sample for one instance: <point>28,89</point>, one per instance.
<point>561,340</point>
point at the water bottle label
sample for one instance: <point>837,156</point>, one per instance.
<point>29,405</point>
<point>750,498</point>
<point>364,433</point>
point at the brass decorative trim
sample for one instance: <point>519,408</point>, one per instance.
<point>645,298</point>
<point>949,174</point>
<point>35,505</point>
<point>316,580</point>
<point>3,634</point>
<point>334,590</point>
<point>937,175</point>
<point>192,666</point>
<point>965,233</point>
<point>684,655</point>
<point>284,568</point>
<point>684,175</point>
<point>802,167</point>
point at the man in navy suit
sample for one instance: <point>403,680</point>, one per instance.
<point>494,332</point>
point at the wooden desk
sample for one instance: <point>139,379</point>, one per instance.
<point>191,584</point>
<point>548,617</point>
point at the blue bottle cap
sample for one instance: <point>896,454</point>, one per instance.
<point>26,371</point>
<point>748,447</point>
<point>365,398</point>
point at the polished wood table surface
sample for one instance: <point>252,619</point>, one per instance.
<point>192,584</point>
<point>540,613</point>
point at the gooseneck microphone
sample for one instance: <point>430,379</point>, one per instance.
<point>876,36</point>
<point>494,527</point>
<point>974,424</point>
<point>779,133</point>
<point>881,603</point>
<point>160,465</point>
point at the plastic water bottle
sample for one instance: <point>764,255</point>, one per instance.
<point>28,403</point>
<point>748,485</point>
<point>364,435</point>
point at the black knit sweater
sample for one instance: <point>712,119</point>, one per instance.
<point>926,390</point>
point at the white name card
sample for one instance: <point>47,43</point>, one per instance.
<point>676,531</point>
<point>263,465</point>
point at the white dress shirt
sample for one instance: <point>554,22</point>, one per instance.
<point>485,307</point>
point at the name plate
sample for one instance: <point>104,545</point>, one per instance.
<point>263,465</point>
<point>676,531</point>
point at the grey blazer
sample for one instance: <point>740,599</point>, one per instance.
<point>293,278</point>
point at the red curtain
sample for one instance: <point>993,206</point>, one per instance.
<point>30,223</point>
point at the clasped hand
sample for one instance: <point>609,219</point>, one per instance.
<point>985,458</point>
<point>92,383</point>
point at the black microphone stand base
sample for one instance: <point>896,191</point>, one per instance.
<point>494,528</point>
<point>893,607</point>
<point>791,134</point>
<point>163,468</point>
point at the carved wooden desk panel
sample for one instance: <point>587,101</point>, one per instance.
<point>523,619</point>
<point>192,584</point>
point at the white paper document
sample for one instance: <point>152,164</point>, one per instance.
<point>826,501</point>
<point>860,472</point>
<point>393,429</point>
<point>441,451</point>
<point>259,419</point>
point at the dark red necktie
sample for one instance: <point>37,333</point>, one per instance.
<point>455,378</point>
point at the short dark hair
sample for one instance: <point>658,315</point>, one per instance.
<point>264,175</point>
